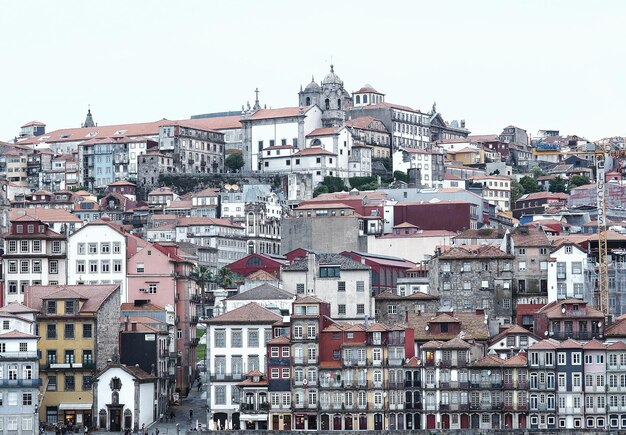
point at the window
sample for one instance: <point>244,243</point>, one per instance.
<point>235,338</point>
<point>27,398</point>
<point>140,267</point>
<point>23,347</point>
<point>69,383</point>
<point>392,309</point>
<point>36,245</point>
<point>69,331</point>
<point>81,248</point>
<point>105,248</point>
<point>86,382</point>
<point>360,286</point>
<point>24,266</point>
<point>24,245</point>
<point>117,247</point>
<point>56,247</point>
<point>51,331</point>
<point>341,286</point>
<point>53,266</point>
<point>220,395</point>
<point>360,308</point>
<point>330,272</point>
<point>105,266</point>
<point>253,338</point>
<point>87,330</point>
<point>341,309</point>
<point>93,248</point>
<point>12,245</point>
<point>522,265</point>
<point>300,289</point>
<point>117,265</point>
<point>576,358</point>
<point>13,266</point>
<point>577,267</point>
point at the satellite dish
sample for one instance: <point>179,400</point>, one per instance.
<point>563,310</point>
<point>406,361</point>
<point>235,187</point>
<point>599,324</point>
<point>305,381</point>
<point>427,327</point>
<point>545,333</point>
<point>227,186</point>
<point>489,372</point>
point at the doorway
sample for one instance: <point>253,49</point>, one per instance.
<point>115,419</point>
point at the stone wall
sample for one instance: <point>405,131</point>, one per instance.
<point>107,330</point>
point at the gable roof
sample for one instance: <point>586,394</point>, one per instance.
<point>249,313</point>
<point>263,292</point>
<point>93,295</point>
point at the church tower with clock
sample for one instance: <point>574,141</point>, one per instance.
<point>331,97</point>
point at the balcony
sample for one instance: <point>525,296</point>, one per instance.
<point>314,337</point>
<point>196,299</point>
<point>19,355</point>
<point>413,405</point>
<point>251,408</point>
<point>396,385</point>
<point>20,383</point>
<point>227,376</point>
<point>395,362</point>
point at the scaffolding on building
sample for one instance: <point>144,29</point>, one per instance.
<point>616,282</point>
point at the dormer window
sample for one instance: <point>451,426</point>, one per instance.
<point>31,228</point>
<point>19,228</point>
<point>69,307</point>
<point>575,307</point>
<point>51,307</point>
<point>443,328</point>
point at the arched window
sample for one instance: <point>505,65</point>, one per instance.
<point>327,103</point>
<point>308,101</point>
<point>357,99</point>
<point>339,103</point>
<point>364,99</point>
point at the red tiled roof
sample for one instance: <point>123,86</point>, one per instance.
<point>314,151</point>
<point>94,295</point>
<point>249,313</point>
<point>283,112</point>
<point>199,221</point>
<point>323,132</point>
<point>33,123</point>
<point>44,214</point>
<point>364,123</point>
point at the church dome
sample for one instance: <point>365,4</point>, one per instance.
<point>312,87</point>
<point>332,78</point>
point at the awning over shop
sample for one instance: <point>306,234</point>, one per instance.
<point>74,406</point>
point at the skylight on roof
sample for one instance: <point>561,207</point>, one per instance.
<point>120,131</point>
<point>65,136</point>
<point>91,134</point>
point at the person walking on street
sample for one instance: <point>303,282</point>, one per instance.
<point>199,386</point>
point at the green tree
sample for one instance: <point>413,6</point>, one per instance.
<point>359,182</point>
<point>516,192</point>
<point>401,176</point>
<point>234,162</point>
<point>320,190</point>
<point>529,184</point>
<point>558,185</point>
<point>330,185</point>
<point>225,278</point>
<point>578,180</point>
<point>537,172</point>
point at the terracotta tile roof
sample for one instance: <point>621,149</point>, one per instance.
<point>456,343</point>
<point>216,123</point>
<point>489,361</point>
<point>617,329</point>
<point>283,112</point>
<point>367,88</point>
<point>261,275</point>
<point>130,306</point>
<point>324,132</point>
<point>419,235</point>
<point>199,221</point>
<point>251,383</point>
<point>161,191</point>
<point>533,238</point>
<point>594,345</point>
<point>93,295</point>
<point>465,252</point>
<point>484,138</point>
<point>618,345</point>
<point>519,360</point>
<point>280,147</point>
<point>33,123</point>
<point>389,106</point>
<point>17,308</point>
<point>309,300</point>
<point>512,330</point>
<point>433,344</point>
<point>570,344</point>
<point>544,195</point>
<point>44,214</point>
<point>279,340</point>
<point>390,295</point>
<point>482,233</point>
<point>364,123</point>
<point>179,204</point>
<point>249,313</point>
<point>344,263</point>
<point>546,344</point>
<point>16,334</point>
<point>323,206</point>
<point>139,373</point>
<point>314,151</point>
<point>263,292</point>
<point>472,325</point>
<point>553,310</point>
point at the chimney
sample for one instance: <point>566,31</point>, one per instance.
<point>133,326</point>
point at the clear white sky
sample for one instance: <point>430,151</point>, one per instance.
<point>535,64</point>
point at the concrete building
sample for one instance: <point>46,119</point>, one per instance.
<point>429,166</point>
<point>87,318</point>
<point>237,342</point>
<point>467,278</point>
<point>20,386</point>
<point>416,244</point>
<point>566,272</point>
<point>194,149</point>
<point>310,224</point>
<point>33,255</point>
<point>344,283</point>
<point>496,190</point>
<point>124,398</point>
